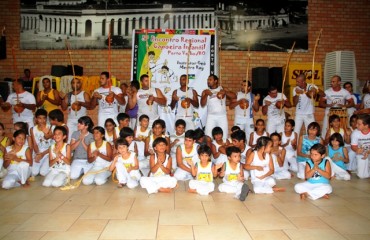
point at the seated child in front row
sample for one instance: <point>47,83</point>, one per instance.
<point>126,165</point>
<point>59,159</point>
<point>176,139</point>
<point>99,153</point>
<point>204,171</point>
<point>160,169</point>
<point>338,155</point>
<point>233,175</point>
<point>18,161</point>
<point>278,157</point>
<point>217,143</point>
<point>261,167</point>
<point>318,174</point>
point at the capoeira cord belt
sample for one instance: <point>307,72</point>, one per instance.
<point>69,185</point>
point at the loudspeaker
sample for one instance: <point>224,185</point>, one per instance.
<point>58,70</point>
<point>260,78</point>
<point>79,71</point>
<point>276,77</point>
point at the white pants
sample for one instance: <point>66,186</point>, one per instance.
<point>182,175</point>
<point>217,121</point>
<point>153,184</point>
<point>188,120</point>
<point>282,174</point>
<point>72,127</point>
<point>314,190</point>
<point>140,149</point>
<point>275,124</point>
<point>300,119</point>
<point>363,166</point>
<point>301,170</point>
<point>202,187</point>
<point>16,173</point>
<point>78,167</point>
<point>264,185</point>
<point>55,178</point>
<point>231,187</point>
<point>245,124</point>
<point>291,161</point>
<point>103,117</point>
<point>41,167</point>
<point>131,179</point>
<point>352,164</point>
<point>338,172</point>
<point>99,178</point>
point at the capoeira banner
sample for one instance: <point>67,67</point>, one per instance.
<point>163,54</point>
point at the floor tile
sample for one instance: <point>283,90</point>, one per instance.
<point>15,218</point>
<point>78,235</point>
<point>268,235</point>
<point>235,206</point>
<point>5,229</point>
<point>24,235</point>
<point>308,222</point>
<point>223,218</point>
<point>313,234</point>
<point>149,215</point>
<point>349,224</point>
<point>265,221</point>
<point>357,236</point>
<point>48,222</point>
<point>106,212</point>
<point>86,225</point>
<point>222,232</point>
<point>175,232</point>
<point>37,206</point>
<point>301,209</point>
<point>128,229</point>
<point>71,208</point>
<point>182,217</point>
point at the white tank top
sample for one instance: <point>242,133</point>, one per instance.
<point>284,140</point>
<point>256,137</point>
<point>244,154</point>
<point>61,165</point>
<point>181,139</point>
<point>275,161</point>
<point>216,106</point>
<point>205,173</point>
<point>130,161</point>
<point>216,145</point>
<point>109,138</point>
<point>20,154</point>
<point>144,108</point>
<point>341,132</point>
<point>241,112</point>
<point>260,162</point>
<point>140,134</point>
<point>231,175</point>
<point>75,115</point>
<point>131,148</point>
<point>103,150</point>
<point>151,140</point>
<point>159,171</point>
<point>42,143</point>
<point>180,111</point>
<point>193,154</point>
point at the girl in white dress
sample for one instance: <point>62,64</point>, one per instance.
<point>260,131</point>
<point>99,153</point>
<point>18,161</point>
<point>59,159</point>
<point>126,165</point>
<point>110,131</point>
<point>289,140</point>
<point>261,167</point>
<point>278,157</point>
<point>159,179</point>
<point>204,171</point>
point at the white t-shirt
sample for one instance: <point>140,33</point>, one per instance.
<point>304,105</point>
<point>26,98</point>
<point>105,107</point>
<point>180,111</point>
<point>338,97</point>
<point>216,106</point>
<point>272,110</point>
<point>73,115</point>
<point>361,140</point>
<point>142,97</point>
<point>240,111</point>
<point>366,101</point>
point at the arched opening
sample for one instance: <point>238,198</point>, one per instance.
<point>88,27</point>
<point>153,22</point>
<point>76,27</point>
<point>174,22</point>
<point>65,27</point>
<point>198,21</point>
<point>193,21</point>
<point>55,25</point>
<point>147,22</point>
<point>28,23</point>
<point>60,26</point>
<point>140,23</point>
<point>111,27</point>
<point>179,22</point>
<point>46,24</point>
<point>133,23</point>
<point>103,27</point>
<point>51,24</point>
<point>159,22</point>
<point>119,29</point>
<point>127,22</point>
<point>70,27</point>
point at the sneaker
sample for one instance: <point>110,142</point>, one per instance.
<point>244,192</point>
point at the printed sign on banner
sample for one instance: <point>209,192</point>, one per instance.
<point>163,54</point>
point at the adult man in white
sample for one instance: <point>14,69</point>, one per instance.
<point>77,102</point>
<point>336,97</point>
<point>215,99</point>
<point>147,99</point>
<point>109,98</point>
<point>22,103</point>
<point>244,105</point>
<point>302,100</point>
<point>273,106</point>
<point>184,100</point>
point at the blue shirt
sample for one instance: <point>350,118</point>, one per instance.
<point>316,177</point>
<point>337,153</point>
<point>306,146</point>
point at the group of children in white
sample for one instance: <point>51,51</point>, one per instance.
<point>156,161</point>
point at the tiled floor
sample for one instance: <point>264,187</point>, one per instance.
<point>106,212</point>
